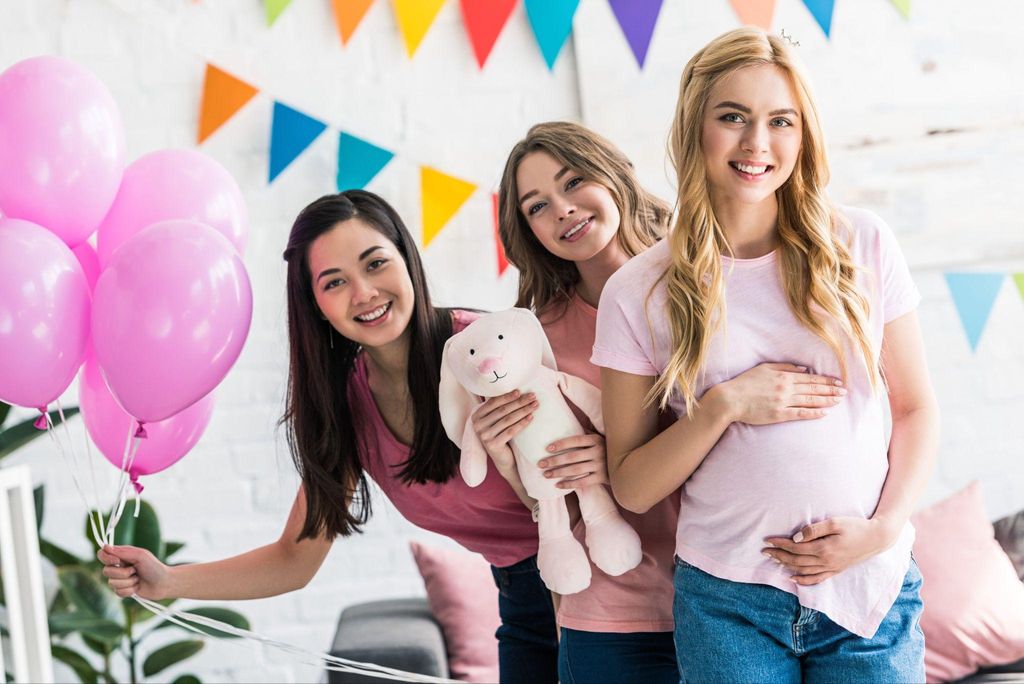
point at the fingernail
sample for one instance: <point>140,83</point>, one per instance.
<point>551,447</point>
<point>515,393</point>
<point>765,553</point>
<point>798,537</point>
<point>839,383</point>
<point>802,368</point>
<point>840,391</point>
<point>542,464</point>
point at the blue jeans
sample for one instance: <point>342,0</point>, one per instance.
<point>527,640</point>
<point>623,658</point>
<point>733,631</point>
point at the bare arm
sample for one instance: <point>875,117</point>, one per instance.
<point>282,566</point>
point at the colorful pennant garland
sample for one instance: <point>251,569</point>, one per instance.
<point>359,161</point>
<point>974,295</point>
<point>414,19</point>
<point>223,96</point>
<point>348,14</point>
<point>500,248</point>
<point>441,196</point>
<point>637,19</point>
<point>755,12</point>
<point>291,132</point>
<point>551,21</point>
<point>274,8</point>
<point>822,11</point>
<point>484,20</point>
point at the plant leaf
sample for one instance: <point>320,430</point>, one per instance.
<point>38,497</point>
<point>162,658</point>
<point>19,435</point>
<point>57,555</point>
<point>143,531</point>
<point>95,627</point>
<point>4,410</point>
<point>171,548</point>
<point>140,613</point>
<point>97,646</point>
<point>88,594</point>
<point>186,679</point>
<point>224,615</point>
<point>85,671</point>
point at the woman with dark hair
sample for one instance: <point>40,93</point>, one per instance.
<point>365,357</point>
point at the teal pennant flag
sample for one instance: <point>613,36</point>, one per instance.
<point>822,11</point>
<point>551,21</point>
<point>359,161</point>
<point>290,134</point>
<point>974,295</point>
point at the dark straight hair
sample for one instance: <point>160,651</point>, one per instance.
<point>327,435</point>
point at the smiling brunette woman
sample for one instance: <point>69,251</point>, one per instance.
<point>365,357</point>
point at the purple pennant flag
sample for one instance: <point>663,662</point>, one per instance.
<point>637,19</point>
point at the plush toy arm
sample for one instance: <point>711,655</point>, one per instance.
<point>473,462</point>
<point>585,396</point>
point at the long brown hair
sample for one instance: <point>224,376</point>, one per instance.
<point>818,274</point>
<point>326,432</point>
<point>543,277</point>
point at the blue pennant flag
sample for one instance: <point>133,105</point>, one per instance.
<point>974,295</point>
<point>290,134</point>
<point>551,21</point>
<point>359,162</point>
<point>822,11</point>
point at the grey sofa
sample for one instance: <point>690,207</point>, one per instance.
<point>402,633</point>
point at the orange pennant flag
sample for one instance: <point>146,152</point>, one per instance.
<point>414,19</point>
<point>502,259</point>
<point>223,95</point>
<point>348,14</point>
<point>441,196</point>
<point>755,12</point>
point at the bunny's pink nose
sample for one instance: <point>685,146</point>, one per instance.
<point>488,365</point>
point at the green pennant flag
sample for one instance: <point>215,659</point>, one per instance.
<point>274,9</point>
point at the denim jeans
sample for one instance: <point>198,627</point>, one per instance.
<point>527,640</point>
<point>733,631</point>
<point>623,658</point>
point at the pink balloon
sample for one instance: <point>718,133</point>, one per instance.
<point>109,426</point>
<point>44,314</point>
<point>89,262</point>
<point>174,184</point>
<point>61,146</point>
<point>170,315</point>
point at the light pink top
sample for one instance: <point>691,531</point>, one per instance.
<point>488,519</point>
<point>771,480</point>
<point>641,599</point>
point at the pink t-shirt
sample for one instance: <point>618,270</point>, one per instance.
<point>641,599</point>
<point>488,519</point>
<point>771,480</point>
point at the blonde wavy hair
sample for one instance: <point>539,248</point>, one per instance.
<point>818,273</point>
<point>543,277</point>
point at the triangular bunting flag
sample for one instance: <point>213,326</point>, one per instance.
<point>903,6</point>
<point>500,248</point>
<point>755,12</point>
<point>274,9</point>
<point>484,20</point>
<point>359,162</point>
<point>223,95</point>
<point>637,19</point>
<point>1018,278</point>
<point>414,19</point>
<point>822,11</point>
<point>974,294</point>
<point>441,195</point>
<point>551,21</point>
<point>348,14</point>
<point>291,132</point>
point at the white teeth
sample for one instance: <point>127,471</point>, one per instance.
<point>373,315</point>
<point>575,229</point>
<point>752,170</point>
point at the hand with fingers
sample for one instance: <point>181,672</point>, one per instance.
<point>497,421</point>
<point>778,392</point>
<point>131,570</point>
<point>584,461</point>
<point>824,549</point>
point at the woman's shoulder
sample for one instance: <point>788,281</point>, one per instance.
<point>639,274</point>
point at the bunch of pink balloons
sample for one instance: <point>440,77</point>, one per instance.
<point>154,317</point>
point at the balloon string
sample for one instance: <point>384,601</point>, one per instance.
<point>74,477</point>
<point>94,510</point>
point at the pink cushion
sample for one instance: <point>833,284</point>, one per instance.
<point>463,598</point>
<point>973,601</point>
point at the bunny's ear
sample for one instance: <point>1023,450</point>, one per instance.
<point>454,401</point>
<point>547,356</point>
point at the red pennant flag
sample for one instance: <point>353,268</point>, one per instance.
<point>348,14</point>
<point>484,20</point>
<point>755,12</point>
<point>500,248</point>
<point>223,95</point>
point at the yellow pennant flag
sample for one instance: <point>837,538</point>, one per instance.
<point>903,6</point>
<point>414,19</point>
<point>441,195</point>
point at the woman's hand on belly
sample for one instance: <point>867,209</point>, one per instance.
<point>829,547</point>
<point>778,392</point>
<point>585,464</point>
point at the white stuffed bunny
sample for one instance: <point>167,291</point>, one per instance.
<point>508,350</point>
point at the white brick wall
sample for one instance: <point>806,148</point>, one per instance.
<point>881,80</point>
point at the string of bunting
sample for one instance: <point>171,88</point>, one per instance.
<point>550,20</point>
<point>974,295</point>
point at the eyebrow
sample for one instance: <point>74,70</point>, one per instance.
<point>728,104</point>
<point>331,271</point>
<point>565,169</point>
